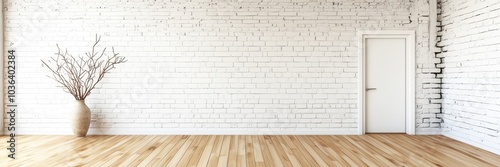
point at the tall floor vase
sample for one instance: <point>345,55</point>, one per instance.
<point>81,118</point>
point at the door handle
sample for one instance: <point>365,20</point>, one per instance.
<point>367,89</point>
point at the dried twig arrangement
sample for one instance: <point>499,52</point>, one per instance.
<point>78,76</point>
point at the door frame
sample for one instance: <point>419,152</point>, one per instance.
<point>409,37</point>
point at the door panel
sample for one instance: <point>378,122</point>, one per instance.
<point>385,83</point>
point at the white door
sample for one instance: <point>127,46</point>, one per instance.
<point>385,85</point>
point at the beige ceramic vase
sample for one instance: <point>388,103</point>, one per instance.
<point>81,118</point>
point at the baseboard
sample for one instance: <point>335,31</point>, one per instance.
<point>428,133</point>
<point>212,132</point>
<point>194,131</point>
<point>44,132</point>
<point>475,144</point>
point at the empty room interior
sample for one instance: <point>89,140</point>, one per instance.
<point>250,83</point>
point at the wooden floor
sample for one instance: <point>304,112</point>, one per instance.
<point>366,150</point>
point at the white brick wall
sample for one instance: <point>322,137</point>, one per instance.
<point>200,67</point>
<point>471,40</point>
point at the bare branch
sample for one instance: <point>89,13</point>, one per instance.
<point>79,75</point>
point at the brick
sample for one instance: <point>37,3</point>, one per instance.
<point>215,68</point>
<point>467,49</point>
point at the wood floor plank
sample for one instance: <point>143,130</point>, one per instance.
<point>458,155</point>
<point>249,152</point>
<point>273,152</point>
<point>287,149</point>
<point>115,154</point>
<point>324,146</point>
<point>258,156</point>
<point>32,151</point>
<point>181,151</point>
<point>302,150</point>
<point>286,159</point>
<point>132,149</point>
<point>165,159</point>
<point>285,140</point>
<point>317,155</point>
<point>398,155</point>
<point>55,148</point>
<point>347,152</point>
<point>387,154</point>
<point>41,141</point>
<point>163,143</point>
<point>233,151</point>
<point>141,151</point>
<point>346,155</point>
<point>73,146</point>
<point>198,151</point>
<point>163,151</point>
<point>465,155</point>
<point>205,153</point>
<point>379,158</point>
<point>224,152</point>
<point>216,150</point>
<point>193,147</point>
<point>241,158</point>
<point>268,161</point>
<point>106,151</point>
<point>406,148</point>
<point>364,150</point>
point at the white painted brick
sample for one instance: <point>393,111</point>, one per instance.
<point>217,69</point>
<point>470,105</point>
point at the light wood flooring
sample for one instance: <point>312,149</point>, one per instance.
<point>365,150</point>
